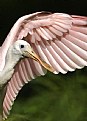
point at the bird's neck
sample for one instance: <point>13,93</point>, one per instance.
<point>5,75</point>
<point>8,70</point>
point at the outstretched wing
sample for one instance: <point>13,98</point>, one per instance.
<point>59,39</point>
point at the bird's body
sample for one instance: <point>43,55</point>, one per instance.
<point>58,42</point>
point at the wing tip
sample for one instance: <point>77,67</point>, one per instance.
<point>55,72</point>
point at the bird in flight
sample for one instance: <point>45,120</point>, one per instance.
<point>36,43</point>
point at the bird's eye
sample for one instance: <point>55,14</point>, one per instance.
<point>22,46</point>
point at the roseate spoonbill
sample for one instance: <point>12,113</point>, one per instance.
<point>55,41</point>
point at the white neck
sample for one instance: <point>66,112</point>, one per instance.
<point>11,60</point>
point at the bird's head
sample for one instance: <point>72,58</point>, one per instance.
<point>23,49</point>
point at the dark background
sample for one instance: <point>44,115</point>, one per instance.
<point>53,97</point>
<point>11,10</point>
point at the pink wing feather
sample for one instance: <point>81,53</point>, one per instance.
<point>59,39</point>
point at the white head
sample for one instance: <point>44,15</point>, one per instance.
<point>23,49</point>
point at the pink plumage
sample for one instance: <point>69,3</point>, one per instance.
<point>59,39</point>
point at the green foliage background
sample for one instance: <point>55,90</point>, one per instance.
<point>52,97</point>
